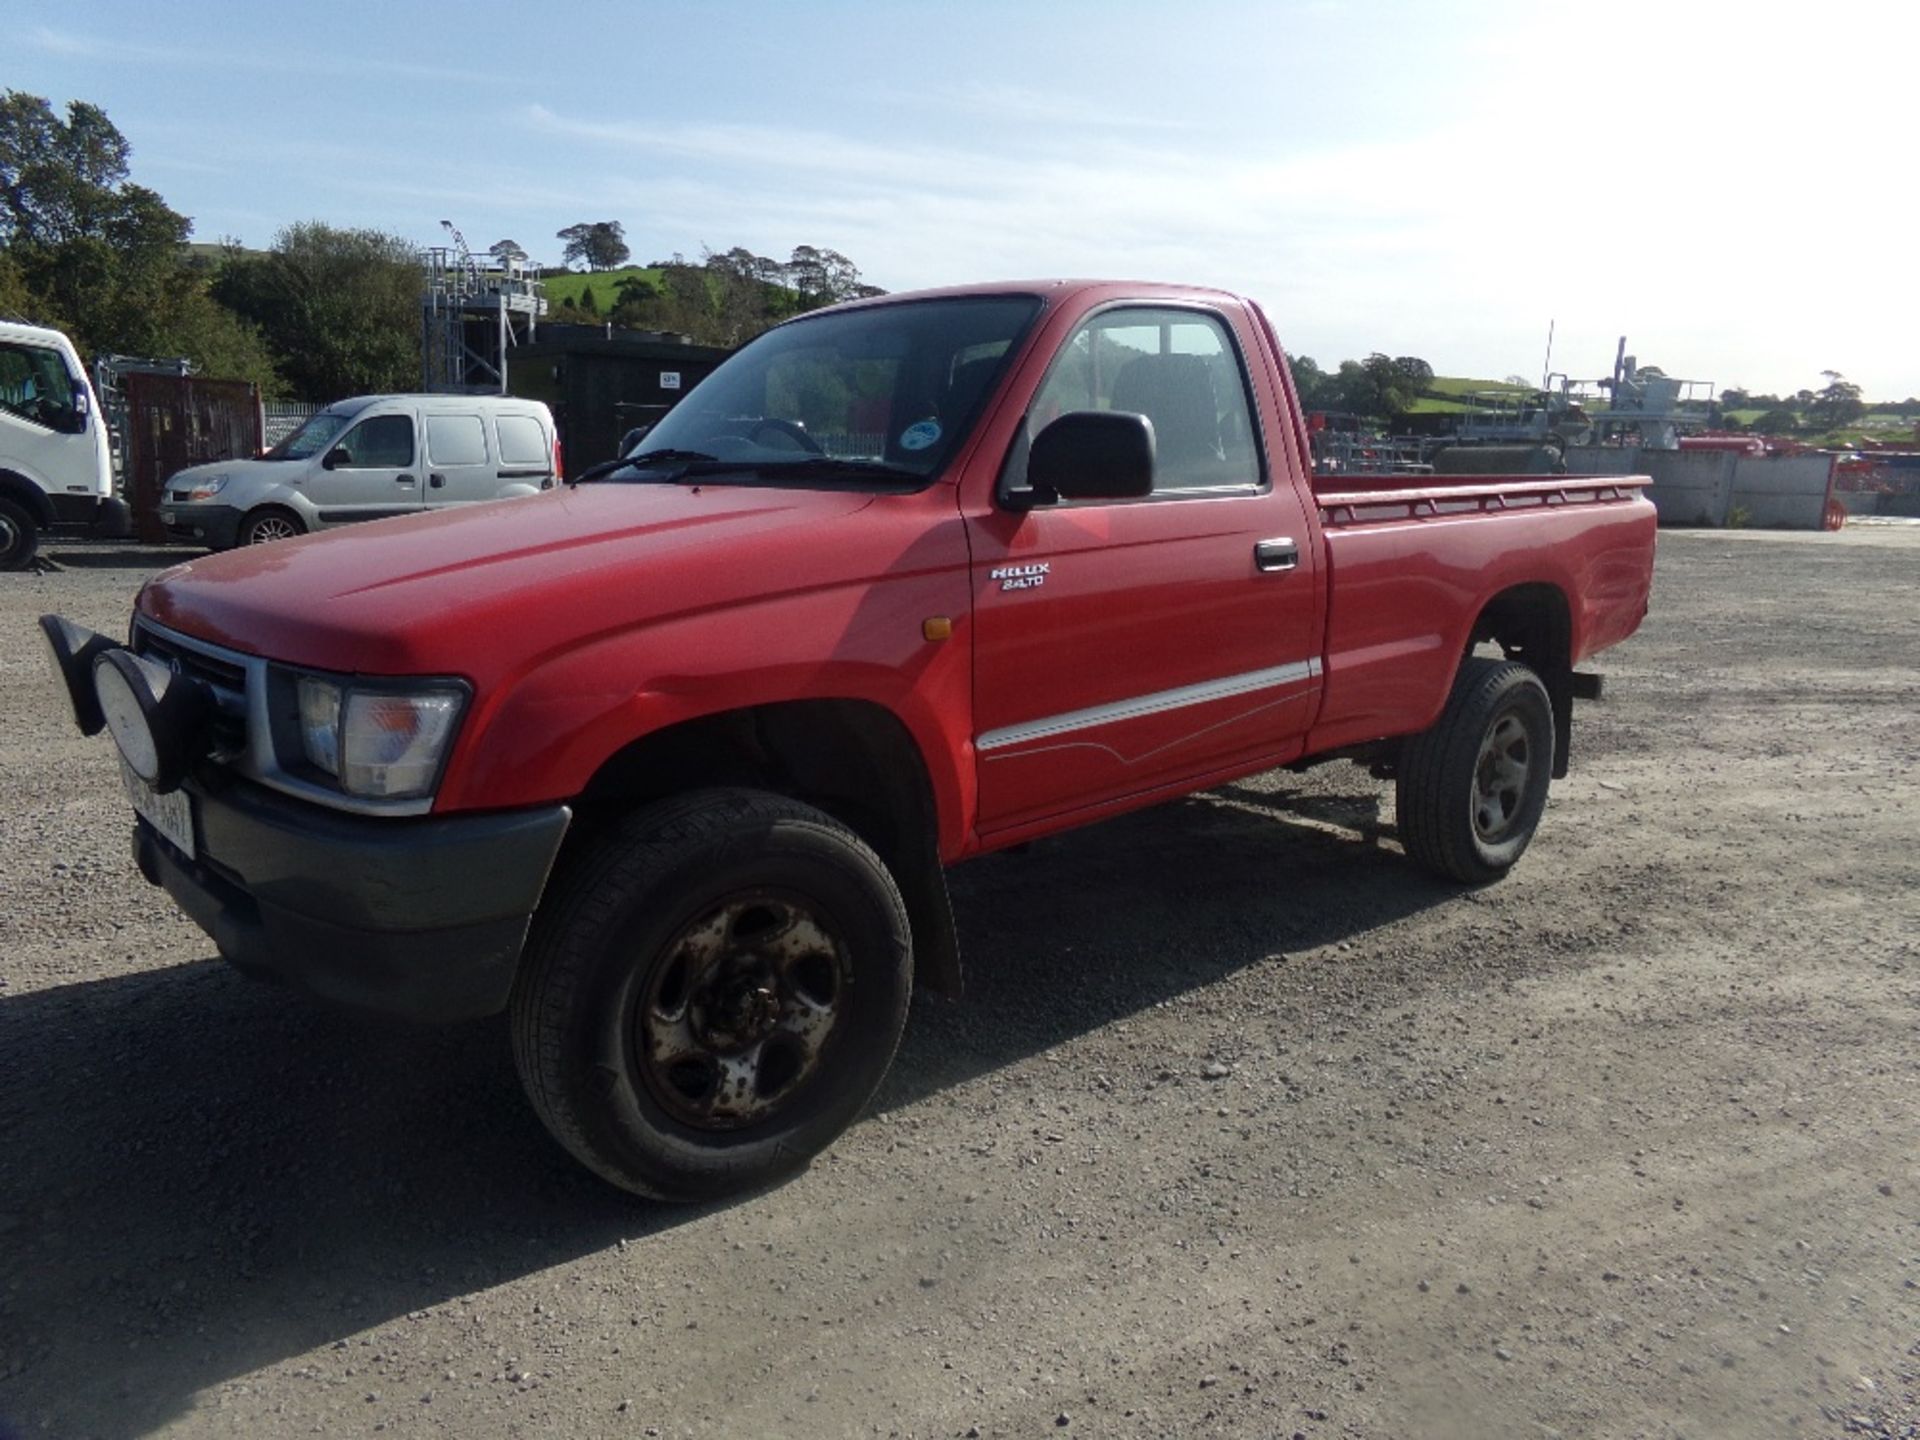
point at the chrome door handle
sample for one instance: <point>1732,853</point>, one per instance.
<point>1270,556</point>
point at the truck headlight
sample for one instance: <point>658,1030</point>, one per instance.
<point>379,741</point>
<point>320,723</point>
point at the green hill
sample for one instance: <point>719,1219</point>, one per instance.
<point>562,286</point>
<point>1447,394</point>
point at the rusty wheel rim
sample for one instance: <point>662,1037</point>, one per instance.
<point>1500,777</point>
<point>741,1009</point>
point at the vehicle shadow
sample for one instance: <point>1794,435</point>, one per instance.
<point>201,1176</point>
<point>119,555</point>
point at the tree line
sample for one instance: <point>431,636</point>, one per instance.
<point>725,298</point>
<point>1837,404</point>
<point>325,311</point>
<point>1380,387</point>
<point>328,311</point>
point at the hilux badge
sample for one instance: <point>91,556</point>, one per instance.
<point>1021,577</point>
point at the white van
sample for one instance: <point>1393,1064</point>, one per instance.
<point>367,459</point>
<point>55,464</point>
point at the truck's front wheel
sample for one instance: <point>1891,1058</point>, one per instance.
<point>19,535</point>
<point>1471,790</point>
<point>711,993</point>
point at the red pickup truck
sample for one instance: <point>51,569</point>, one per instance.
<point>668,763</point>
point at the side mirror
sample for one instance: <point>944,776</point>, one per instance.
<point>1093,455</point>
<point>335,458</point>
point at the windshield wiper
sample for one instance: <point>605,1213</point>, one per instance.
<point>697,464</point>
<point>642,461</point>
<point>842,465</point>
<point>668,457</point>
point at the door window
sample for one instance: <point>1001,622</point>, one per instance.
<point>34,385</point>
<point>382,443</point>
<point>522,441</point>
<point>456,440</point>
<point>1180,369</point>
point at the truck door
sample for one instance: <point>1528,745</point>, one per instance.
<point>369,472</point>
<point>459,467</point>
<point>44,426</point>
<point>1125,646</point>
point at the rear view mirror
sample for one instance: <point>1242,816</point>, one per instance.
<point>1093,455</point>
<point>335,458</point>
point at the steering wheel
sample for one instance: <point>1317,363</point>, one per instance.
<point>795,433</point>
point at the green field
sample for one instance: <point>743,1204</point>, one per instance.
<point>1883,427</point>
<point>605,284</point>
<point>1441,385</point>
<point>1446,394</point>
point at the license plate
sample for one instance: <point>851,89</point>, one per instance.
<point>171,814</point>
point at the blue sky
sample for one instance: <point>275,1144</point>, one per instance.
<point>1437,179</point>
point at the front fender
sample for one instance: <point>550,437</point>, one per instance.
<point>543,735</point>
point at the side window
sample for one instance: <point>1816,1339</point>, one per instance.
<point>382,443</point>
<point>456,440</point>
<point>1180,370</point>
<point>522,441</point>
<point>34,385</point>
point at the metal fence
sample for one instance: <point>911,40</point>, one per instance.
<point>174,421</point>
<point>280,418</point>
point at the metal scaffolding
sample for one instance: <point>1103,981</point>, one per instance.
<point>474,311</point>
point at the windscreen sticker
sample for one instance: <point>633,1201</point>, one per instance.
<point>920,434</point>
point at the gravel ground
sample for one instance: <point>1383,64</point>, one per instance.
<point>1246,1128</point>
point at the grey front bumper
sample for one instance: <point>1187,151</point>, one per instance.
<point>423,918</point>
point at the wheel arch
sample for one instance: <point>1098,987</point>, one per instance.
<point>1533,624</point>
<point>18,488</point>
<point>854,759</point>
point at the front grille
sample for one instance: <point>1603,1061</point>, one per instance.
<point>227,679</point>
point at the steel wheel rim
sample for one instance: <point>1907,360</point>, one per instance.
<point>270,527</point>
<point>1500,776</point>
<point>741,1009</point>
<point>10,535</point>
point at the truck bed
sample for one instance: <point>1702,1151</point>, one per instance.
<point>1409,563</point>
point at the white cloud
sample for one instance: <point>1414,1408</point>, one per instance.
<point>304,62</point>
<point>1711,180</point>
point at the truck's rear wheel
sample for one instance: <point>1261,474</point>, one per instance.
<point>19,536</point>
<point>711,993</point>
<point>1471,790</point>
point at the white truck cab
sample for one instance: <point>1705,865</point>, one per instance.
<point>56,467</point>
<point>368,458</point>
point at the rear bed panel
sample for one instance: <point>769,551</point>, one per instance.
<point>1411,567</point>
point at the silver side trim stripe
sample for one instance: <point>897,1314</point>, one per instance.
<point>1201,694</point>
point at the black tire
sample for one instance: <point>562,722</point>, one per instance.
<point>648,1100</point>
<point>1471,790</point>
<point>19,535</point>
<point>270,523</point>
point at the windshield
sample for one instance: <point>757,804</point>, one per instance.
<point>890,387</point>
<point>311,438</point>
